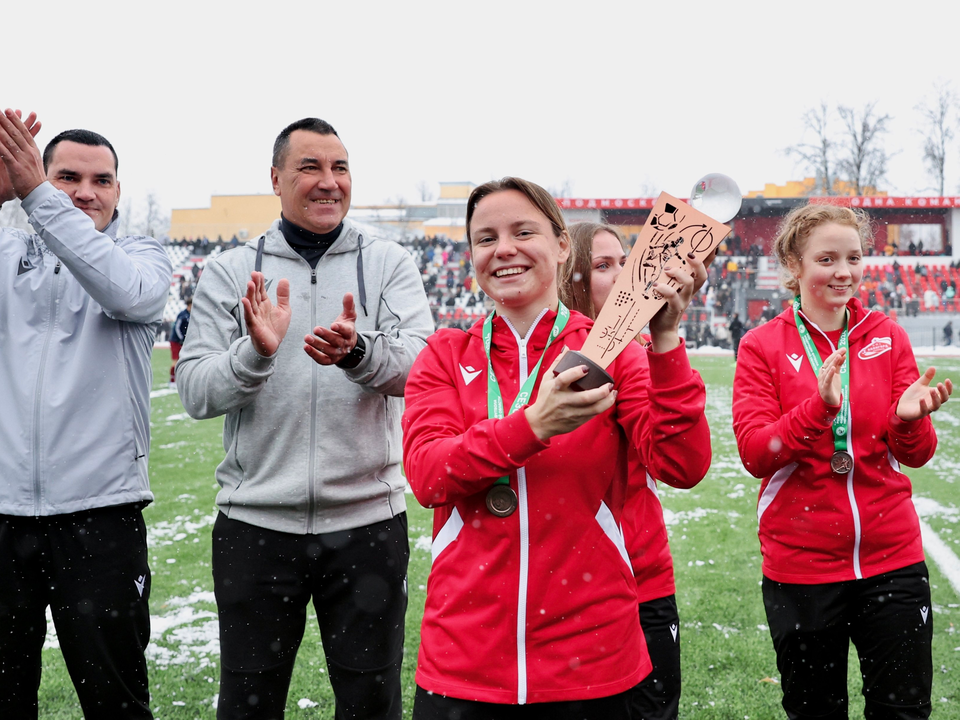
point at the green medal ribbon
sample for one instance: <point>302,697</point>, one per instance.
<point>494,397</point>
<point>841,422</point>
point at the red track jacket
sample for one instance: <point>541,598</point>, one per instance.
<point>540,606</point>
<point>817,526</point>
<point>646,533</point>
<point>645,530</point>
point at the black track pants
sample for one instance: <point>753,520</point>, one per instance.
<point>428,706</point>
<point>657,696</point>
<point>890,621</point>
<point>264,580</point>
<point>90,568</point>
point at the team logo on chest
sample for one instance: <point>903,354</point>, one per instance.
<point>876,347</point>
<point>796,360</point>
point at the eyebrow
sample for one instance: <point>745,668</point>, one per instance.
<point>99,176</point>
<point>315,161</point>
<point>513,226</point>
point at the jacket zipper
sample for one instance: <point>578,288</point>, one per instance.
<point>524,531</point>
<point>54,305</point>
<point>314,370</point>
<point>851,496</point>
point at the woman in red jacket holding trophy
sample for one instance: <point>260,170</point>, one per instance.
<point>531,604</point>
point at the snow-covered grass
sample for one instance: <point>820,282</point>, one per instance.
<point>728,662</point>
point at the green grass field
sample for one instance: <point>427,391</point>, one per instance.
<point>729,667</point>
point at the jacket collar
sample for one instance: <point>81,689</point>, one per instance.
<point>276,244</point>
<point>503,335</point>
<point>114,225</point>
<point>862,320</point>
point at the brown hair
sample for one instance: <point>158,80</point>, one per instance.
<point>800,222</point>
<point>575,290</point>
<point>539,198</point>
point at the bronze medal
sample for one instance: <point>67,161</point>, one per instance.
<point>502,500</point>
<point>841,462</point>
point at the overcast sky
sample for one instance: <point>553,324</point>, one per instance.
<point>619,99</point>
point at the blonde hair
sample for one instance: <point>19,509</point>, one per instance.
<point>800,222</point>
<point>575,285</point>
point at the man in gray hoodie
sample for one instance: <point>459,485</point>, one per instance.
<point>311,500</point>
<point>79,308</point>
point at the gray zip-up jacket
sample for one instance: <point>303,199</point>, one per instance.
<point>78,313</point>
<point>309,448</point>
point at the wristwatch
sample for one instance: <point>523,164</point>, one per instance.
<point>355,356</point>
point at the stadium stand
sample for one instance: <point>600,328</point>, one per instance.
<point>456,300</point>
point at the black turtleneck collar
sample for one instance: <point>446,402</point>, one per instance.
<point>309,245</point>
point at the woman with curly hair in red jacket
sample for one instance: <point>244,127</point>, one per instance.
<point>827,406</point>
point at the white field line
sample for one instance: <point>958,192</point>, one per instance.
<point>162,392</point>
<point>942,555</point>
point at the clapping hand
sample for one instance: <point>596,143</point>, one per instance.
<point>9,148</point>
<point>328,346</point>
<point>266,323</point>
<point>919,400</point>
<point>828,378</point>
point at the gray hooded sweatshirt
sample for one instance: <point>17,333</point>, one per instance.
<point>78,313</point>
<point>309,448</point>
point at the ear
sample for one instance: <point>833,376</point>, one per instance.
<point>275,181</point>
<point>793,265</point>
<point>564,242</point>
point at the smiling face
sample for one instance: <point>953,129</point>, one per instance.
<point>87,174</point>
<point>516,254</point>
<point>830,269</point>
<point>314,182</point>
<point>606,261</point>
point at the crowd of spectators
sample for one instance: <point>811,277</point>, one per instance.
<point>204,246</point>
<point>912,289</point>
<point>457,301</point>
<point>455,298</point>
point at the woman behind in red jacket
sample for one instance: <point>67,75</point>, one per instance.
<point>842,556</point>
<point>531,601</point>
<point>596,258</point>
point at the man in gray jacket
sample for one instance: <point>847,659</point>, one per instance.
<point>312,503</point>
<point>79,309</point>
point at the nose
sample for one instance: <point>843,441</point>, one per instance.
<point>85,191</point>
<point>326,180</point>
<point>506,247</point>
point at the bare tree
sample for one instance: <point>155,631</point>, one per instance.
<point>937,131</point>
<point>816,155</point>
<point>13,216</point>
<point>402,217</point>
<point>425,190</point>
<point>157,222</point>
<point>143,218</point>
<point>862,158</point>
<point>129,223</point>
<point>648,188</point>
<point>153,222</point>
